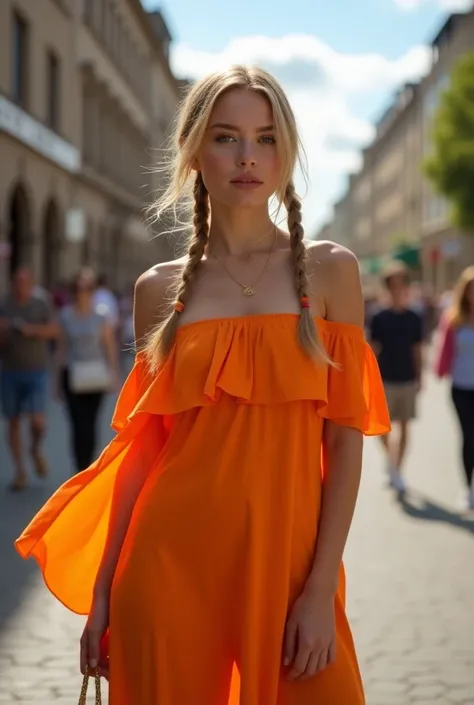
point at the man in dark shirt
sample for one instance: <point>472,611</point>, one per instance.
<point>396,334</point>
<point>26,326</point>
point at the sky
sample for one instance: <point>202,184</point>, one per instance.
<point>340,62</point>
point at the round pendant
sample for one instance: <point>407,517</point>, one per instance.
<point>248,291</point>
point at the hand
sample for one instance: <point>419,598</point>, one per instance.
<point>310,639</point>
<point>94,651</point>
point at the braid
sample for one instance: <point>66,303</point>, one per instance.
<point>198,241</point>
<point>162,338</point>
<point>308,336</point>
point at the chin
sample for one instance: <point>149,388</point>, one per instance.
<point>245,200</point>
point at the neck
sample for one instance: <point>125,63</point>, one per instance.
<point>398,305</point>
<point>83,305</point>
<point>240,231</point>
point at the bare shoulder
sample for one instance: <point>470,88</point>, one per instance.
<point>158,278</point>
<point>331,255</point>
<point>338,270</point>
<point>153,295</point>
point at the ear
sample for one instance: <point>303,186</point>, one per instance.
<point>195,165</point>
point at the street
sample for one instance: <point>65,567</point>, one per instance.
<point>410,578</point>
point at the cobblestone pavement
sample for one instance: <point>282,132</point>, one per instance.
<point>410,579</point>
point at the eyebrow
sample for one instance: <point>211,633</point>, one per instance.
<point>226,126</point>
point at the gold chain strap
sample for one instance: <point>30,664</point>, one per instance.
<point>85,683</point>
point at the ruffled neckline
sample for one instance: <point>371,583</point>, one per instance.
<point>259,319</point>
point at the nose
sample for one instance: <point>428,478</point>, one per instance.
<point>246,156</point>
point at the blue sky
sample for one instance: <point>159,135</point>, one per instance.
<point>339,60</point>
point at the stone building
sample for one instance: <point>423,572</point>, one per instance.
<point>86,98</point>
<point>394,211</point>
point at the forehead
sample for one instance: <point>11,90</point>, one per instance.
<point>242,106</point>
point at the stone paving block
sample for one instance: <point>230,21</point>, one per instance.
<point>413,622</point>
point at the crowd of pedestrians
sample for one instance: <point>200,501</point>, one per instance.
<point>80,337</point>
<point>66,342</point>
<point>400,323</point>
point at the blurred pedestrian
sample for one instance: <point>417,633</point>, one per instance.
<point>27,324</point>
<point>396,334</point>
<point>456,360</point>
<point>86,366</point>
<point>105,302</point>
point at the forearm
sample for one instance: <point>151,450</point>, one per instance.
<point>342,457</point>
<point>45,331</point>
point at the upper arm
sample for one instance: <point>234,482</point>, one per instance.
<point>342,287</point>
<point>152,299</point>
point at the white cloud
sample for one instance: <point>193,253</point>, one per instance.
<point>448,5</point>
<point>321,84</point>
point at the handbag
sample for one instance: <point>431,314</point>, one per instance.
<point>89,376</point>
<point>85,683</point>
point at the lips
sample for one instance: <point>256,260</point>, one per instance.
<point>246,178</point>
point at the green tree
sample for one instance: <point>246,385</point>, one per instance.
<point>450,168</point>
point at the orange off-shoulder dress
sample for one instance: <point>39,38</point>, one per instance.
<point>223,533</point>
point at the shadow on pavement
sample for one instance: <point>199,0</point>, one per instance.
<point>18,578</point>
<point>418,506</point>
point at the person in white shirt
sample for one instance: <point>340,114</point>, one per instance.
<point>106,303</point>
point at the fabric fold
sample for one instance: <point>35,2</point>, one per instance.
<point>252,360</point>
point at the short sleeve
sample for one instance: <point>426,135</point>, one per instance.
<point>355,392</point>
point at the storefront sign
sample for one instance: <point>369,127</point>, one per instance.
<point>19,124</point>
<point>75,225</point>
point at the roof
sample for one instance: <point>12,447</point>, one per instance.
<point>154,40</point>
<point>445,29</point>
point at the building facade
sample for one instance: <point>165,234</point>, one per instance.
<point>86,97</point>
<point>394,211</point>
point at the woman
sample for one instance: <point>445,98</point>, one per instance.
<point>456,360</point>
<point>86,366</point>
<point>217,563</point>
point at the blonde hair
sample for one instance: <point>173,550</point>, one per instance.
<point>192,121</point>
<point>460,309</point>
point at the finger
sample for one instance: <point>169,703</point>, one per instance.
<point>94,647</point>
<point>322,661</point>
<point>300,663</point>
<point>312,667</point>
<point>332,653</point>
<point>290,643</point>
<point>104,670</point>
<point>84,653</point>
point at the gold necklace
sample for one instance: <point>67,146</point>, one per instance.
<point>248,289</point>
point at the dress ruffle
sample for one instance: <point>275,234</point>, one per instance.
<point>253,360</point>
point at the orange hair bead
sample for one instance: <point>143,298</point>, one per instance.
<point>179,306</point>
<point>304,301</point>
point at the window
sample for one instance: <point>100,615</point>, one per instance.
<point>19,59</point>
<point>52,90</point>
